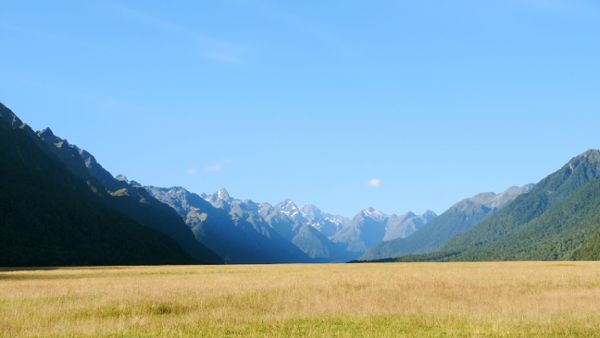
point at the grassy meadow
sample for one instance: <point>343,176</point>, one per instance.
<point>345,300</point>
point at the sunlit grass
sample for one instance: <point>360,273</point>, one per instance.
<point>375,300</point>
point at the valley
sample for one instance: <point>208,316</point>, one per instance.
<point>294,169</point>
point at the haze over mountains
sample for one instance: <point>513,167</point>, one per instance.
<point>59,206</point>
<point>558,219</point>
<point>231,229</point>
<point>290,233</point>
<point>458,219</point>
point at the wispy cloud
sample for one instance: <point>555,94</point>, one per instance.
<point>319,31</point>
<point>140,16</point>
<point>214,49</point>
<point>375,183</point>
<point>224,58</point>
<point>217,167</point>
<point>214,168</point>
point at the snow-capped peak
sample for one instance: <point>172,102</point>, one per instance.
<point>223,195</point>
<point>287,205</point>
<point>373,213</point>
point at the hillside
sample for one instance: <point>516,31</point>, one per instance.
<point>458,219</point>
<point>557,220</point>
<point>129,198</point>
<point>50,217</point>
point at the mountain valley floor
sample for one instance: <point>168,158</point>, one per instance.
<point>525,299</point>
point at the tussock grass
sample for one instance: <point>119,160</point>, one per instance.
<point>525,299</point>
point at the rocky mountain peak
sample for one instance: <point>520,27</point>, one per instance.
<point>587,160</point>
<point>7,115</point>
<point>122,178</point>
<point>372,213</point>
<point>410,214</point>
<point>492,200</point>
<point>46,133</point>
<point>429,215</point>
<point>311,212</point>
<point>591,153</point>
<point>288,205</point>
<point>223,195</point>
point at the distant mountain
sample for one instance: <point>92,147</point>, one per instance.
<point>458,219</point>
<point>370,227</point>
<point>327,224</point>
<point>405,225</point>
<point>130,199</point>
<point>230,227</point>
<point>317,246</point>
<point>297,224</point>
<point>51,217</point>
<point>365,230</point>
<point>307,228</point>
<point>558,220</point>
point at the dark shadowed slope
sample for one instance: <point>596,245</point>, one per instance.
<point>50,217</point>
<point>129,198</point>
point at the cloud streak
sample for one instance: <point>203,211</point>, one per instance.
<point>318,31</point>
<point>213,49</point>
<point>213,168</point>
<point>224,58</point>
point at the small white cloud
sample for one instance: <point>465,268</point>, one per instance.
<point>191,172</point>
<point>214,168</point>
<point>374,183</point>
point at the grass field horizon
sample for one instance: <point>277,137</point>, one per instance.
<point>341,300</point>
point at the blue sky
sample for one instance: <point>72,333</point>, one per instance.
<point>429,101</point>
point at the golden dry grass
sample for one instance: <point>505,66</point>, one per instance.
<point>355,300</point>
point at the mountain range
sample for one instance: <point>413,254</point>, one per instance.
<point>456,220</point>
<point>203,228</point>
<point>230,228</point>
<point>558,219</point>
<point>59,206</point>
<point>55,212</point>
<point>285,232</point>
<point>371,226</point>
